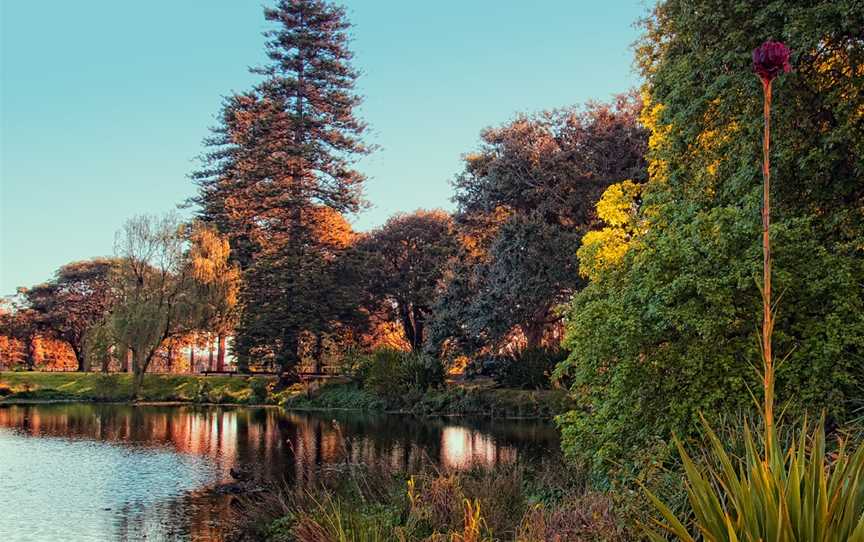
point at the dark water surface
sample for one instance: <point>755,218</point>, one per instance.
<point>82,472</point>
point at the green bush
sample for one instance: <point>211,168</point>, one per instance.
<point>393,373</point>
<point>668,330</point>
<point>259,391</point>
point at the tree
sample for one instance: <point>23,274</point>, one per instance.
<point>555,163</point>
<point>74,301</point>
<point>406,260</point>
<point>290,296</point>
<point>525,199</point>
<point>283,152</point>
<point>158,288</point>
<point>218,281</point>
<point>18,323</point>
<point>668,329</point>
<point>531,269</point>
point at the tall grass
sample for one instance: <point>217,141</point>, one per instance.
<point>482,505</point>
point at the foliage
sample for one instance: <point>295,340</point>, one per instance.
<point>668,330</point>
<point>477,505</point>
<point>530,369</point>
<point>217,280</point>
<point>392,373</point>
<point>525,200</point>
<point>449,400</point>
<point>335,396</point>
<point>289,295</point>
<point>18,324</point>
<point>159,289</point>
<point>405,262</point>
<point>604,248</point>
<point>769,494</point>
<point>278,176</point>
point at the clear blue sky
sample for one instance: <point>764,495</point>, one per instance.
<point>103,104</point>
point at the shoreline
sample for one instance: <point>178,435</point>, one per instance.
<point>450,401</point>
<point>31,402</point>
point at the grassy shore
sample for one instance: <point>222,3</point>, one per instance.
<point>38,386</point>
<point>451,400</point>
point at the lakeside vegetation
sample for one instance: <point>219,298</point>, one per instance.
<point>621,251</point>
<point>525,503</point>
<point>475,400</point>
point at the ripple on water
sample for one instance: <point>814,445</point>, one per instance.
<point>95,488</point>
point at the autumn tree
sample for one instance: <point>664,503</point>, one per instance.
<point>406,261</point>
<point>159,288</point>
<point>218,281</point>
<point>524,201</point>
<point>74,301</point>
<point>282,152</point>
<point>18,324</point>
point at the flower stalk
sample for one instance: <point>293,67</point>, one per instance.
<point>769,60</point>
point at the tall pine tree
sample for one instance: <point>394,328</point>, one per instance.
<point>280,154</point>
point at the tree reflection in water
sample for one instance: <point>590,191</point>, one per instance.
<point>270,444</point>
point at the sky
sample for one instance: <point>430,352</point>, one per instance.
<point>104,104</point>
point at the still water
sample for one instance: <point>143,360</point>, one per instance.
<point>89,472</point>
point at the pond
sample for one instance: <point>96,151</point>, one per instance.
<point>82,472</point>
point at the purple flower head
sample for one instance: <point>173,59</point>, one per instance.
<point>770,60</point>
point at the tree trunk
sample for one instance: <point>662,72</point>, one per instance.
<point>139,368</point>
<point>319,353</point>
<point>418,329</point>
<point>192,357</point>
<point>126,361</point>
<point>170,357</point>
<point>533,335</point>
<point>83,363</point>
<point>220,354</point>
<point>106,359</point>
<point>290,351</point>
<point>30,352</point>
<point>210,353</point>
<point>407,325</point>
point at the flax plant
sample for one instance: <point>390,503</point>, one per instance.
<point>798,495</point>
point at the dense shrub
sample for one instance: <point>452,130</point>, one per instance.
<point>667,326</point>
<point>393,373</point>
<point>531,369</point>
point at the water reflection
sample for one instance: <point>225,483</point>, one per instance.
<point>205,443</point>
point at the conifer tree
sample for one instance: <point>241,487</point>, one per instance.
<point>281,153</point>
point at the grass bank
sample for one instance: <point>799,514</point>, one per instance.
<point>38,386</point>
<point>450,400</point>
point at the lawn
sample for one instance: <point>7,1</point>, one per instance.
<point>73,386</point>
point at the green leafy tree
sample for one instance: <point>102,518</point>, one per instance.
<point>291,298</point>
<point>667,330</point>
<point>161,292</point>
